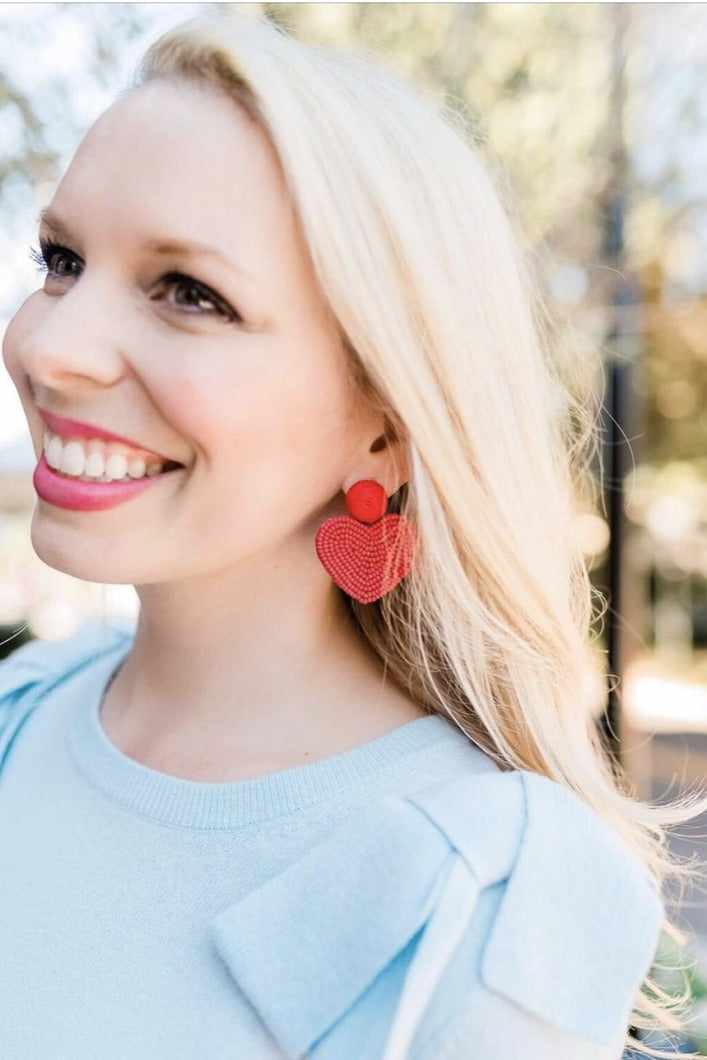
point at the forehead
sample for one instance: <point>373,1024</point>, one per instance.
<point>170,153</point>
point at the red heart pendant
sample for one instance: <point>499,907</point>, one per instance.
<point>366,560</point>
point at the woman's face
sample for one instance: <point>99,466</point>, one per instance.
<point>180,313</point>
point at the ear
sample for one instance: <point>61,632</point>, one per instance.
<point>386,461</point>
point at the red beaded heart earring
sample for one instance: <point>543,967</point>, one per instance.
<point>369,557</point>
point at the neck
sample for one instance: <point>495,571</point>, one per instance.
<point>262,670</point>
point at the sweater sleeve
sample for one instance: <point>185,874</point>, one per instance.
<point>21,675</point>
<point>510,1032</point>
<point>28,674</point>
<point>552,966</point>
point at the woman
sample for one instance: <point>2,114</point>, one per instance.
<point>340,794</point>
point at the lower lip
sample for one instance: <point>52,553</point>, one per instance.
<point>82,496</point>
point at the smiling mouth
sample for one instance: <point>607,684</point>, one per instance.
<point>98,460</point>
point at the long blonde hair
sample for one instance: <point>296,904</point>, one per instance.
<point>416,255</point>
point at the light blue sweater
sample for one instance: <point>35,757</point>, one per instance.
<point>405,899</point>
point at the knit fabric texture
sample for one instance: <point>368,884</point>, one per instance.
<point>405,898</point>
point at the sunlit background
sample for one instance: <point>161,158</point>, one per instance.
<point>594,119</point>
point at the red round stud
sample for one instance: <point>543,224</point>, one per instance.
<point>366,500</point>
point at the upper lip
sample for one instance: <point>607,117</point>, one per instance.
<point>67,429</point>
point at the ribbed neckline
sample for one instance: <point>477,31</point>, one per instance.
<point>202,805</point>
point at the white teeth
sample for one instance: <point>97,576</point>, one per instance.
<point>96,459</point>
<point>136,468</point>
<point>73,459</point>
<point>95,465</point>
<point>54,452</point>
<point>116,467</point>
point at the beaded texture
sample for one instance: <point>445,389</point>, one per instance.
<point>366,558</point>
<point>366,500</point>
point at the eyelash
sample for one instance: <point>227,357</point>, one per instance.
<point>48,248</point>
<point>43,256</point>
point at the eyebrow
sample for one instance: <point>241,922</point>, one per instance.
<point>155,246</point>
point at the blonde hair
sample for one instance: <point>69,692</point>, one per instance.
<point>418,260</point>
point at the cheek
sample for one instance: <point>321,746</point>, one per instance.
<point>263,412</point>
<point>209,410</point>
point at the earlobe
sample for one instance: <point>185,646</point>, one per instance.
<point>390,476</point>
<point>395,469</point>
<point>391,468</point>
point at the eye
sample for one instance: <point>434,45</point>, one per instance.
<point>184,293</point>
<point>190,294</point>
<point>54,259</point>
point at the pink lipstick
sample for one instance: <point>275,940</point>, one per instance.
<point>79,495</point>
<point>85,493</point>
<point>73,429</point>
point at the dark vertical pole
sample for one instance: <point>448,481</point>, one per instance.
<point>619,416</point>
<point>617,410</point>
<point>618,419</point>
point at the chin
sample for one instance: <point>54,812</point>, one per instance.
<point>77,552</point>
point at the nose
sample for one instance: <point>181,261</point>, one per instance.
<point>69,342</point>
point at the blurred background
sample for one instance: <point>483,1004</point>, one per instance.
<point>594,119</point>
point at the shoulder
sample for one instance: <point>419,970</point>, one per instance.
<point>32,671</point>
<point>561,916</point>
